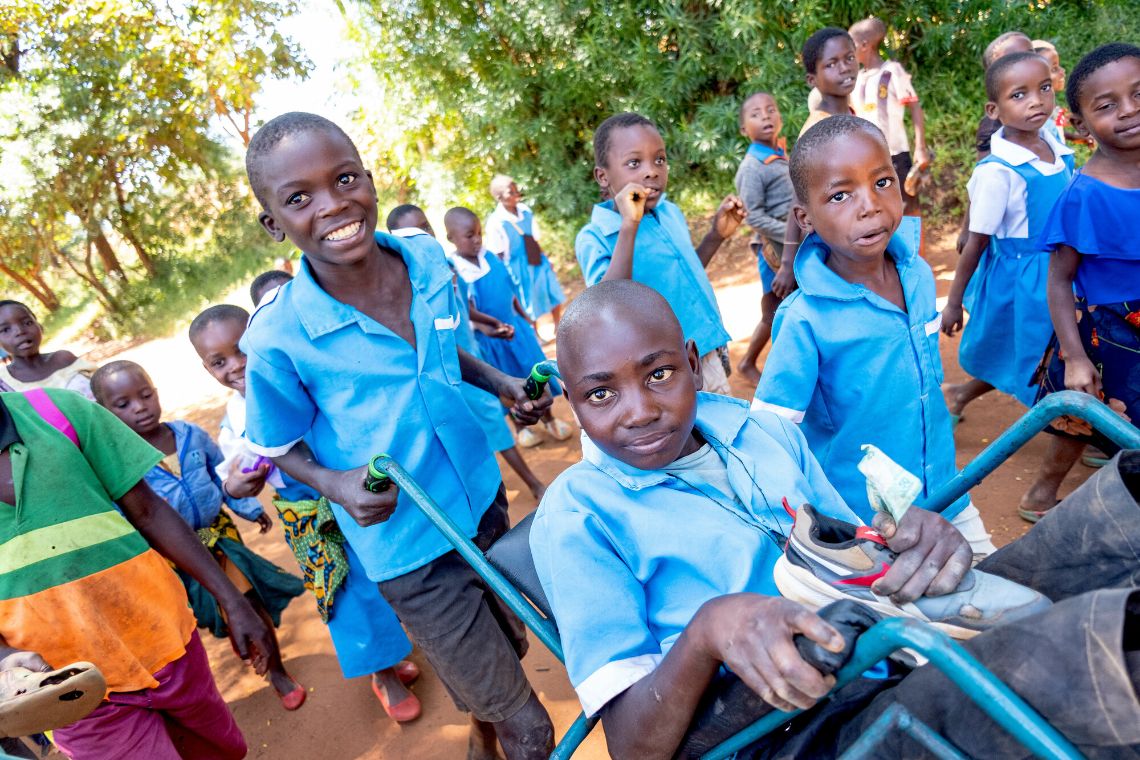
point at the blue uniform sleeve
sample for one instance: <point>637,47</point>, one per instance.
<point>249,507</point>
<point>791,371</point>
<point>826,499</point>
<point>594,254</point>
<point>279,411</point>
<point>602,622</point>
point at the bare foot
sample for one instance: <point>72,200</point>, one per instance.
<point>749,372</point>
<point>1039,498</point>
<point>482,743</point>
<point>282,682</point>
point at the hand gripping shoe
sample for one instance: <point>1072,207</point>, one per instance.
<point>827,559</point>
<point>31,702</point>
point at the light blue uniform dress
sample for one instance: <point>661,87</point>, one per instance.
<point>321,370</point>
<point>539,288</point>
<point>627,556</point>
<point>664,259</point>
<point>1009,325</point>
<point>852,368</point>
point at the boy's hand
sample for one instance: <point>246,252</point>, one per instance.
<point>630,202</point>
<point>729,216</point>
<point>933,557</point>
<point>1081,375</point>
<point>242,485</point>
<point>952,319</point>
<point>366,508</point>
<point>784,283</point>
<point>752,635</point>
<point>512,394</point>
<point>264,522</point>
<point>921,160</point>
<point>249,634</point>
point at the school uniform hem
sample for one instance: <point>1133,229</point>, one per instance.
<point>610,680</point>
<point>273,451</point>
<point>792,415</point>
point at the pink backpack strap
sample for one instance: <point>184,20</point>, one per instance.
<point>42,403</point>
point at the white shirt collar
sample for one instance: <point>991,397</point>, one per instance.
<point>466,270</point>
<point>1015,154</point>
<point>407,232</point>
<point>501,210</point>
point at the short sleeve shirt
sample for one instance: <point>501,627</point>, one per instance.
<point>77,581</point>
<point>320,369</point>
<point>896,93</point>
<point>998,193</point>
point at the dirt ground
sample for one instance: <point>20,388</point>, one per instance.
<point>342,719</point>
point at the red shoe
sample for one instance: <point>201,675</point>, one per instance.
<point>407,671</point>
<point>403,711</point>
<point>295,698</point>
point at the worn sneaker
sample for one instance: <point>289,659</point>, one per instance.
<point>528,439</point>
<point>827,559</point>
<point>559,430</point>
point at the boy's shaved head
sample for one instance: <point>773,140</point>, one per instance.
<point>223,312</point>
<point>265,282</point>
<point>273,132</point>
<point>457,215</point>
<point>102,375</point>
<point>1003,44</point>
<point>870,30</point>
<point>397,214</point>
<point>812,147</point>
<point>630,301</point>
<point>998,69</point>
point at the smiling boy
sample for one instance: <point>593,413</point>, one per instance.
<point>657,551</point>
<point>358,356</point>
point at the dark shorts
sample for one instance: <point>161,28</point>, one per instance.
<point>470,637</point>
<point>902,163</point>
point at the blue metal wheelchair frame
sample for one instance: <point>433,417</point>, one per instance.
<point>1002,704</point>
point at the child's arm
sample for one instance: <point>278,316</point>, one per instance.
<point>784,283</point>
<point>167,532</point>
<point>510,390</point>
<point>488,325</point>
<point>630,203</point>
<point>918,119</point>
<point>754,195</point>
<point>345,487</point>
<point>952,318</point>
<point>1080,373</point>
<point>239,487</point>
<point>521,311</point>
<point>728,217</point>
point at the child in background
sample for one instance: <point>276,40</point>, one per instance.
<point>1099,351</point>
<point>832,68</point>
<point>411,223</point>
<point>187,479</point>
<point>1059,118</point>
<point>763,186</point>
<point>264,283</point>
<point>491,291</point>
<point>21,335</point>
<point>508,228</point>
<point>1001,274</point>
<point>640,235</point>
<point>883,92</point>
<point>854,356</point>
<point>366,635</point>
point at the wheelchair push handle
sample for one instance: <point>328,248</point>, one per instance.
<point>536,381</point>
<point>376,481</point>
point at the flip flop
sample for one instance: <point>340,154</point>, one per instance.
<point>407,709</point>
<point>1094,461</point>
<point>407,671</point>
<point>31,702</point>
<point>294,699</point>
<point>1033,515</point>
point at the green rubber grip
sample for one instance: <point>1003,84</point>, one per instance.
<point>376,480</point>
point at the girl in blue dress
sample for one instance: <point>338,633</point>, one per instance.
<point>491,290</point>
<point>1094,267</point>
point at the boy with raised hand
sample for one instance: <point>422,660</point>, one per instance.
<point>676,512</point>
<point>883,93</point>
<point>357,355</point>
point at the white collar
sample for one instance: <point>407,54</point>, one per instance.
<point>407,232</point>
<point>1014,154</point>
<point>466,270</point>
<point>501,210</point>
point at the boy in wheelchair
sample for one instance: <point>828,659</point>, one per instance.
<point>657,553</point>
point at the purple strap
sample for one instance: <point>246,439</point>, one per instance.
<point>42,403</point>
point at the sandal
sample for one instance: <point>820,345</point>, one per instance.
<point>407,671</point>
<point>407,709</point>
<point>1033,515</point>
<point>294,699</point>
<point>31,702</point>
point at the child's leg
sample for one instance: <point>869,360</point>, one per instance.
<point>760,336</point>
<point>514,458</point>
<point>958,396</point>
<point>282,682</point>
<point>1063,453</point>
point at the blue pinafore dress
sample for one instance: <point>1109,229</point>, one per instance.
<point>1009,325</point>
<point>540,288</point>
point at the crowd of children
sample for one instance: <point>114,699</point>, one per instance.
<point>685,511</point>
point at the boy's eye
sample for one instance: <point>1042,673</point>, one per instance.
<point>838,197</point>
<point>884,182</point>
<point>345,179</point>
<point>633,163</point>
<point>296,198</point>
<point>660,374</point>
<point>600,394</point>
<point>661,161</point>
<point>1046,87</point>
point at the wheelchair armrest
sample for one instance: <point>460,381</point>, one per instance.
<point>511,556</point>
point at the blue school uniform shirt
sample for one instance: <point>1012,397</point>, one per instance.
<point>852,368</point>
<point>197,493</point>
<point>654,546</point>
<point>315,363</point>
<point>664,259</point>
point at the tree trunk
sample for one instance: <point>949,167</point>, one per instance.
<point>44,295</point>
<point>107,255</point>
<point>92,279</point>
<point>127,228</point>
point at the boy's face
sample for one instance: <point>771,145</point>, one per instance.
<point>633,386</point>
<point>416,219</point>
<point>217,347</point>
<point>320,197</point>
<point>1056,71</point>
<point>853,202</point>
<point>1024,96</point>
<point>466,234</point>
<point>1110,105</point>
<point>510,197</point>
<point>836,69</point>
<point>636,154</point>
<point>20,333</point>
<point>760,119</point>
<point>132,398</point>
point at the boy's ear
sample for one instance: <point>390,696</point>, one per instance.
<point>1078,123</point>
<point>991,109</point>
<point>810,78</point>
<point>600,177</point>
<point>802,217</point>
<point>694,364</point>
<point>269,224</point>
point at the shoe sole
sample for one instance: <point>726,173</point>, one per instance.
<point>799,585</point>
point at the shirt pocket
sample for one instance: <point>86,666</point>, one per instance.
<point>445,328</point>
<point>933,330</point>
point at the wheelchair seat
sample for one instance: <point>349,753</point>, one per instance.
<point>511,556</point>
